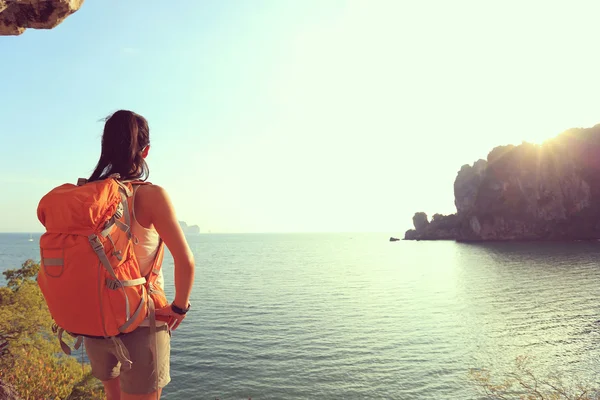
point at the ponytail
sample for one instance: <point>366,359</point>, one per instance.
<point>125,136</point>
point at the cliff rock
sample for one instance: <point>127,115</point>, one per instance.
<point>18,15</point>
<point>441,227</point>
<point>466,185</point>
<point>529,192</point>
<point>420,221</point>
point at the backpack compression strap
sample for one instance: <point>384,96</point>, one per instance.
<point>115,283</point>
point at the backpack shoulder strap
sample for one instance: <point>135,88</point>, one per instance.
<point>139,183</point>
<point>157,263</point>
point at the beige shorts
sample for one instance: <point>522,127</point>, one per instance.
<point>141,378</point>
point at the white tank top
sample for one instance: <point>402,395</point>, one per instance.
<point>146,248</point>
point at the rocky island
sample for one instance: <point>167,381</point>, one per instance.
<point>526,192</point>
<point>189,230</point>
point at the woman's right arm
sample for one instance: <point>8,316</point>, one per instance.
<point>166,224</point>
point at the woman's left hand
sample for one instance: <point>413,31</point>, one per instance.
<point>174,319</point>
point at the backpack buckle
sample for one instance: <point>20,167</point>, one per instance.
<point>120,211</point>
<point>96,243</point>
<point>112,284</point>
<point>118,254</point>
<point>81,181</point>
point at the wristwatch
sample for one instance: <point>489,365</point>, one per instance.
<point>178,310</point>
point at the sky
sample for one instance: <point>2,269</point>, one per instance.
<point>289,115</point>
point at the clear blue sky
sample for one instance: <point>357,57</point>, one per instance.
<point>289,115</point>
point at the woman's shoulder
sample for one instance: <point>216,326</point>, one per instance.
<point>155,207</point>
<point>152,194</point>
<point>151,189</point>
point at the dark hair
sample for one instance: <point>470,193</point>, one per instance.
<point>125,136</point>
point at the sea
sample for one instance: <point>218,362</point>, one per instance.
<point>355,316</point>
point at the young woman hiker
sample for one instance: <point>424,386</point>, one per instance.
<point>125,145</point>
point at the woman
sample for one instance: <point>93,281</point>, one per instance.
<point>125,145</point>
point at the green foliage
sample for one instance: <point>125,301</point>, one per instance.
<point>15,277</point>
<point>34,365</point>
<point>522,383</point>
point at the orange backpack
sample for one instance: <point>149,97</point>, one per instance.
<point>89,274</point>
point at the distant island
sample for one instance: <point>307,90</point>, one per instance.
<point>526,192</point>
<point>189,230</point>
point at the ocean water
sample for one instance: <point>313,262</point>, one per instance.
<point>353,316</point>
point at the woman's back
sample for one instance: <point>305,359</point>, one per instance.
<point>147,239</point>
